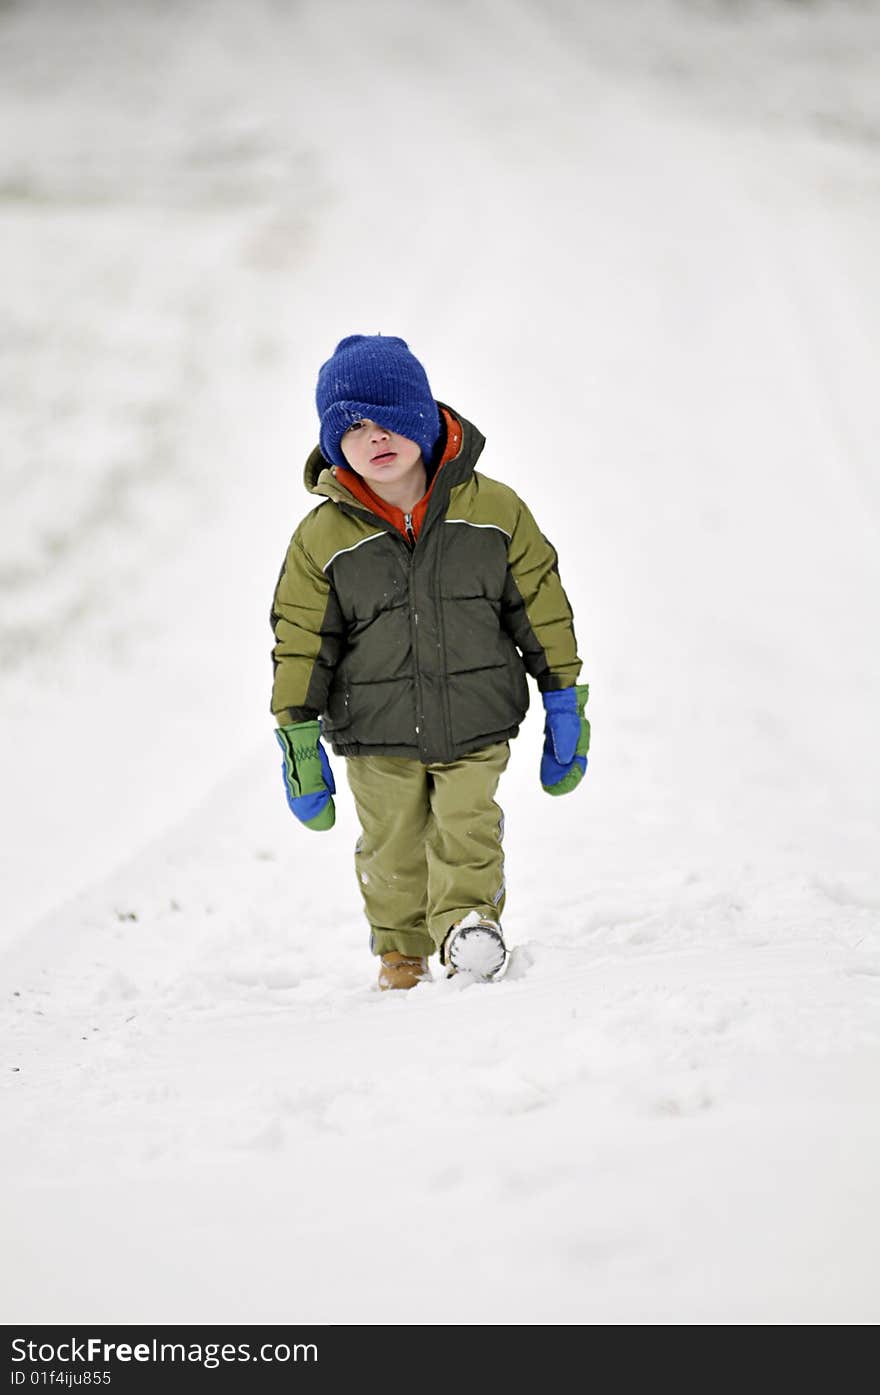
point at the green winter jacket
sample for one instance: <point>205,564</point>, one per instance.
<point>419,651</point>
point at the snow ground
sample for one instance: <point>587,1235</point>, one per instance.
<point>636,245</point>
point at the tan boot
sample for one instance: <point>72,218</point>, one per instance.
<point>401,970</point>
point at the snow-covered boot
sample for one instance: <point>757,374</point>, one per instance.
<point>475,946</point>
<point>401,970</point>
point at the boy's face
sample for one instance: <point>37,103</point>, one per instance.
<point>380,456</point>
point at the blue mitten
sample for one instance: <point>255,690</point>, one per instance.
<point>566,739</point>
<point>308,779</point>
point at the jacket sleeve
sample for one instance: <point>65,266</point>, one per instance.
<point>535,609</point>
<point>309,637</point>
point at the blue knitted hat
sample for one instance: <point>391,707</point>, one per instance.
<point>374,377</point>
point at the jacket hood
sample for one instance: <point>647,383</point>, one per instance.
<point>320,477</point>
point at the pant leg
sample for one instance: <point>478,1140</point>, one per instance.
<point>391,799</point>
<point>465,857</point>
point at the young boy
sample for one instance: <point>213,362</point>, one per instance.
<point>408,611</point>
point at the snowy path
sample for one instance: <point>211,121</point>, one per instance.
<point>666,324</point>
<point>656,1116</point>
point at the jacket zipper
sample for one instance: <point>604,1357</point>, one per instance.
<point>414,627</point>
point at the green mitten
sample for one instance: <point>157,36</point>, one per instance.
<point>308,779</point>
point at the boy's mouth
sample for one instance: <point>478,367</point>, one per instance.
<point>383,457</point>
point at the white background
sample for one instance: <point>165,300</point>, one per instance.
<point>637,246</point>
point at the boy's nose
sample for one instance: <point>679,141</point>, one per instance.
<point>377,432</point>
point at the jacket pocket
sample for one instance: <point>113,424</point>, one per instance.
<point>338,714</point>
<point>518,679</point>
<point>488,702</point>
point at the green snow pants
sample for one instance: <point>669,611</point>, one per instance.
<point>430,850</point>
